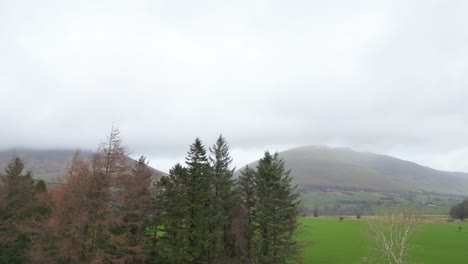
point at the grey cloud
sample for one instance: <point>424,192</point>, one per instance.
<point>381,76</point>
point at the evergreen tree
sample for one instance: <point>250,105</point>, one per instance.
<point>199,172</point>
<point>459,211</point>
<point>17,206</point>
<point>174,202</point>
<point>247,191</point>
<point>186,209</point>
<point>222,200</point>
<point>156,207</point>
<point>276,211</point>
<point>41,186</point>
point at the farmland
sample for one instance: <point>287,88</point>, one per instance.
<point>327,240</point>
<point>339,202</point>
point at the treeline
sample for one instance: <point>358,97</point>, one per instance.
<point>340,209</point>
<point>109,209</point>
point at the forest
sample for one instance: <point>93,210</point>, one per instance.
<point>110,209</point>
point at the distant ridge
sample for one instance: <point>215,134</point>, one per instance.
<point>346,168</point>
<point>48,164</point>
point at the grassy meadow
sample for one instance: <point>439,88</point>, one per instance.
<point>327,240</point>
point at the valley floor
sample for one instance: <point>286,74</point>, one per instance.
<point>336,202</point>
<point>326,240</point>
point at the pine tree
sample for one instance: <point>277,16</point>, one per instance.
<point>17,206</point>
<point>222,200</point>
<point>41,186</point>
<point>247,191</point>
<point>156,212</point>
<point>174,204</point>
<point>186,209</point>
<point>198,190</point>
<point>276,211</point>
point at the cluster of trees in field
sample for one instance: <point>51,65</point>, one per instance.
<point>460,211</point>
<point>109,210</point>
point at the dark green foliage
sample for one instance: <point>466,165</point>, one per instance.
<point>199,194</point>
<point>186,209</point>
<point>460,211</point>
<point>41,186</point>
<point>156,206</point>
<point>18,192</point>
<point>276,211</point>
<point>223,199</point>
<point>247,191</point>
<point>271,209</point>
<point>173,202</point>
<point>105,211</point>
<point>316,214</point>
<point>15,251</point>
<point>17,207</point>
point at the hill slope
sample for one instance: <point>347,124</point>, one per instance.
<point>343,167</point>
<point>47,164</point>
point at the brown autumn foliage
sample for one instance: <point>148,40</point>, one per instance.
<point>65,234</point>
<point>23,205</point>
<point>99,212</point>
<point>133,199</point>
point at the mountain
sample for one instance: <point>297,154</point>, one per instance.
<point>345,168</point>
<point>310,165</point>
<point>48,164</point>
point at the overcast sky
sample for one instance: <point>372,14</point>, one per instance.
<point>382,76</point>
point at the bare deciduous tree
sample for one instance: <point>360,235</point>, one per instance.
<point>97,210</point>
<point>65,234</point>
<point>133,197</point>
<point>389,233</point>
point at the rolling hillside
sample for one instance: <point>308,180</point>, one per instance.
<point>345,168</point>
<point>310,165</point>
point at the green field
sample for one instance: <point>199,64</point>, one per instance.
<point>329,241</point>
